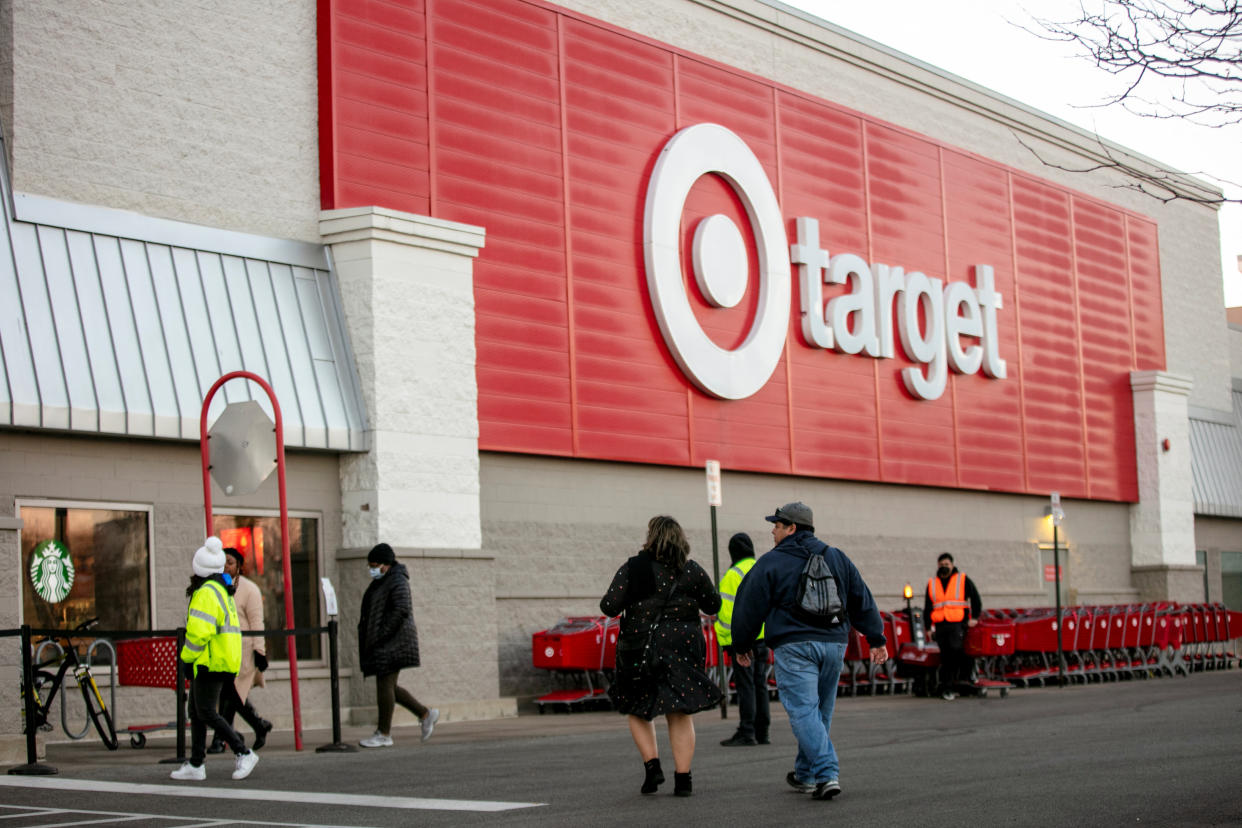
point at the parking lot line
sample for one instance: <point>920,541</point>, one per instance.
<point>304,797</point>
<point>116,817</point>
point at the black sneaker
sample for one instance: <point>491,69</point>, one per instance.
<point>826,790</point>
<point>798,785</point>
<point>738,740</point>
<point>763,740</point>
<point>216,746</point>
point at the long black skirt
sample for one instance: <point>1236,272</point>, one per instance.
<point>681,684</point>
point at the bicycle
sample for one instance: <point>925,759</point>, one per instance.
<point>47,684</point>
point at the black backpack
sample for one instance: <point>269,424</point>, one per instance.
<point>817,600</point>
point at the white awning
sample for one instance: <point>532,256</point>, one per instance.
<point>118,323</point>
<point>1216,460</point>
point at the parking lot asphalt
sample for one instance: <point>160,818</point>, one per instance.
<point>1157,751</point>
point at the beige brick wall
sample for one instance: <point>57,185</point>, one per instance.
<point>560,528</point>
<point>203,112</point>
<point>10,651</point>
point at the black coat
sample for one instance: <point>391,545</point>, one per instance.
<point>387,637</point>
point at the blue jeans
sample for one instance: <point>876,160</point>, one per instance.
<point>806,675</point>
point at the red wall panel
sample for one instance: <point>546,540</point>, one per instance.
<point>544,127</point>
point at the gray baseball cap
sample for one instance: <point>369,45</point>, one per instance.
<point>796,512</point>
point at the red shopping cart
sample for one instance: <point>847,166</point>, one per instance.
<point>581,650</point>
<point>147,662</point>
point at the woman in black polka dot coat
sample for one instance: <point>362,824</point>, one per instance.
<point>661,577</point>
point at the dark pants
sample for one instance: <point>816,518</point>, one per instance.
<point>231,704</point>
<point>751,684</point>
<point>205,692</point>
<point>955,665</point>
<point>388,695</point>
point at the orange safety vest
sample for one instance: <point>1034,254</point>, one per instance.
<point>948,604</point>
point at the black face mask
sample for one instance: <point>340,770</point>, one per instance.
<point>944,571</point>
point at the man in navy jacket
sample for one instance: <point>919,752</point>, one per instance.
<point>808,657</point>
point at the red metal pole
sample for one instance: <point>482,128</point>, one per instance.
<point>286,565</point>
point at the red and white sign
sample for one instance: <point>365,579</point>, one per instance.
<point>1051,572</point>
<point>714,492</point>
<point>1020,306</point>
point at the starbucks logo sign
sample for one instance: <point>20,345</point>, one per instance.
<point>51,571</point>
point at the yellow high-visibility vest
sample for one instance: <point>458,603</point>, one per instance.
<point>728,592</point>
<point>212,630</point>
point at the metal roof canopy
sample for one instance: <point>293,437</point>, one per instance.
<point>1216,459</point>
<point>117,323</point>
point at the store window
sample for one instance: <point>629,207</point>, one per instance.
<point>1231,579</point>
<point>83,561</point>
<point>257,537</point>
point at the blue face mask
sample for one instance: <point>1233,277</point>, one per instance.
<point>228,579</point>
<point>375,571</point>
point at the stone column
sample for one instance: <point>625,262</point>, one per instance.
<point>407,290</point>
<point>12,743</point>
<point>1162,523</point>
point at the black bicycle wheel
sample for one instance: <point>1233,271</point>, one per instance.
<point>99,712</point>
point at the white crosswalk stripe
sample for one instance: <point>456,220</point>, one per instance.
<point>303,797</point>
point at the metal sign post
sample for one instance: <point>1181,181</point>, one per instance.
<point>239,428</point>
<point>714,499</point>
<point>1057,515</point>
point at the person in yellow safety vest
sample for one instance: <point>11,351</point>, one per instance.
<point>750,682</point>
<point>212,656</point>
<point>951,606</point>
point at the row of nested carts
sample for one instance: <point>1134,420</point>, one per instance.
<point>1010,647</point>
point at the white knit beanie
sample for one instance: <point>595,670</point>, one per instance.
<point>209,559</point>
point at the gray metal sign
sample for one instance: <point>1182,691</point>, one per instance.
<point>242,448</point>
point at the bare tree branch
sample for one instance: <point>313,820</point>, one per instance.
<point>1174,58</point>
<point>1161,185</point>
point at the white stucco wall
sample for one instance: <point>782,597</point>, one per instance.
<point>203,112</point>
<point>1235,349</point>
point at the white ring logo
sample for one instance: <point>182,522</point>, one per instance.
<point>719,256</point>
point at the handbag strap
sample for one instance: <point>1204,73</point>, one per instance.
<point>668,596</point>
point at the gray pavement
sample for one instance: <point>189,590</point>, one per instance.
<point>1161,751</point>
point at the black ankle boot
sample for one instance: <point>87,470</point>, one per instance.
<point>681,784</point>
<point>655,776</point>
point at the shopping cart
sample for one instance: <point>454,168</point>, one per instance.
<point>147,662</point>
<point>581,650</point>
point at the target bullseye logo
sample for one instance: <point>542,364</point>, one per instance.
<point>943,326</point>
<point>720,261</point>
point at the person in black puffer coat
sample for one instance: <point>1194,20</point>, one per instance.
<point>388,642</point>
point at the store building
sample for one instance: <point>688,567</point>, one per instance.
<point>490,256</point>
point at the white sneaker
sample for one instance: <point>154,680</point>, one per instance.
<point>245,764</point>
<point>429,723</point>
<point>377,740</point>
<point>189,773</point>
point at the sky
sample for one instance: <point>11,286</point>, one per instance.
<point>984,42</point>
